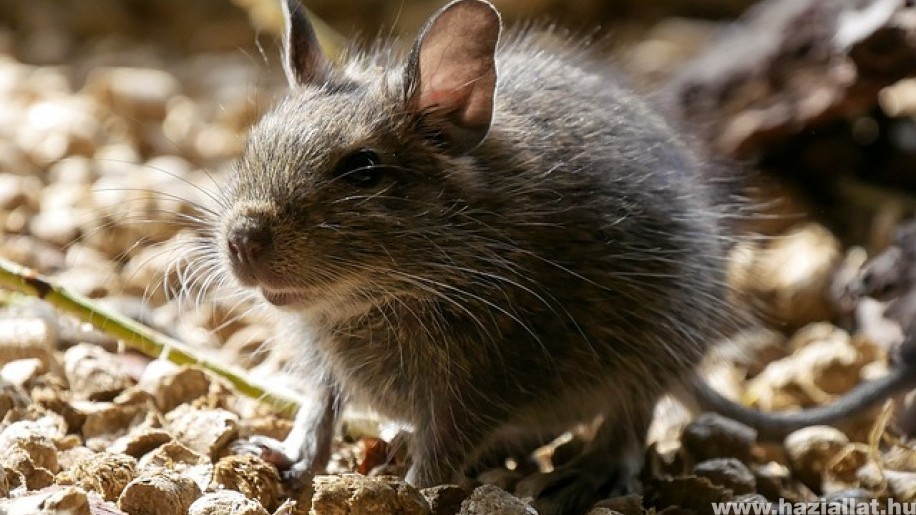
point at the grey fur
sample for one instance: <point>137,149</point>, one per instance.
<point>568,267</point>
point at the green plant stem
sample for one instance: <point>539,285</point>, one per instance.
<point>134,335</point>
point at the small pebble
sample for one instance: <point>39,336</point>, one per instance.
<point>54,129</point>
<point>625,504</point>
<point>355,493</point>
<point>162,493</point>
<point>54,500</point>
<point>12,396</point>
<point>133,92</point>
<point>445,499</point>
<point>226,502</point>
<point>39,448</point>
<point>59,226</point>
<point>72,501</point>
<point>21,372</point>
<point>728,472</point>
<point>811,449</point>
<point>108,419</point>
<point>177,457</point>
<point>75,170</point>
<point>206,431</point>
<point>602,511</point>
<point>22,338</point>
<point>171,385</point>
<point>140,441</point>
<point>19,190</point>
<point>251,476</point>
<point>106,473</point>
<point>50,425</point>
<point>94,374</point>
<point>18,459</point>
<point>714,436</point>
<point>488,499</point>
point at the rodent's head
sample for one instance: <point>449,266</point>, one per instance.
<point>343,189</point>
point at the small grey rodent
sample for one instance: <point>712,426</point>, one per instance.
<point>476,252</point>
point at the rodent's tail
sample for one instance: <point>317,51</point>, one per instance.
<point>773,426</point>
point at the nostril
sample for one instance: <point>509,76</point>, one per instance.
<point>248,243</point>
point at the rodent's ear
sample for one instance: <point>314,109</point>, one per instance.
<point>303,59</point>
<point>451,71</point>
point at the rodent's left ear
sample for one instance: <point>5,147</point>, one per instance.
<point>303,60</point>
<point>451,71</point>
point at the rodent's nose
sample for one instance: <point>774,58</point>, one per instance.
<point>248,243</point>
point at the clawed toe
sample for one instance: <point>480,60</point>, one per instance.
<point>295,474</point>
<point>268,449</point>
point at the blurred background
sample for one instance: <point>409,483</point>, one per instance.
<point>59,31</point>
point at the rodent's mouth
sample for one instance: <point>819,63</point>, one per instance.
<point>283,297</point>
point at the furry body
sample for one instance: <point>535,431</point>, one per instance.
<point>570,264</point>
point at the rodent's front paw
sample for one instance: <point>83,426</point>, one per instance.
<point>268,449</point>
<point>575,486</point>
<point>296,473</point>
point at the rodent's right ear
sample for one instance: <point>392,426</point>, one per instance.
<point>451,71</point>
<point>303,60</point>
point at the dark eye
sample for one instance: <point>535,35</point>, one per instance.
<point>362,169</point>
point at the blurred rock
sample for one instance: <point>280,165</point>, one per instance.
<point>226,502</point>
<point>133,92</point>
<point>713,436</point>
<point>94,374</point>
<point>172,385</point>
<point>488,499</point>
<point>811,449</point>
<point>825,361</point>
<point>251,476</point>
<point>204,431</point>
<point>444,499</point>
<point>161,493</point>
<point>105,473</point>
<point>353,493</point>
<point>787,279</point>
<point>728,472</point>
<point>22,338</point>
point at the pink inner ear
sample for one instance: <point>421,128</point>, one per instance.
<point>304,61</point>
<point>442,98</point>
<point>457,63</point>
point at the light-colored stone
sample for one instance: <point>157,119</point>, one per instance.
<point>172,385</point>
<point>93,373</point>
<point>178,457</point>
<point>22,371</point>
<point>811,449</point>
<point>355,493</point>
<point>19,190</point>
<point>488,499</point>
<point>133,92</point>
<point>54,500</point>
<point>105,473</point>
<point>22,338</point>
<point>162,493</point>
<point>226,502</point>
